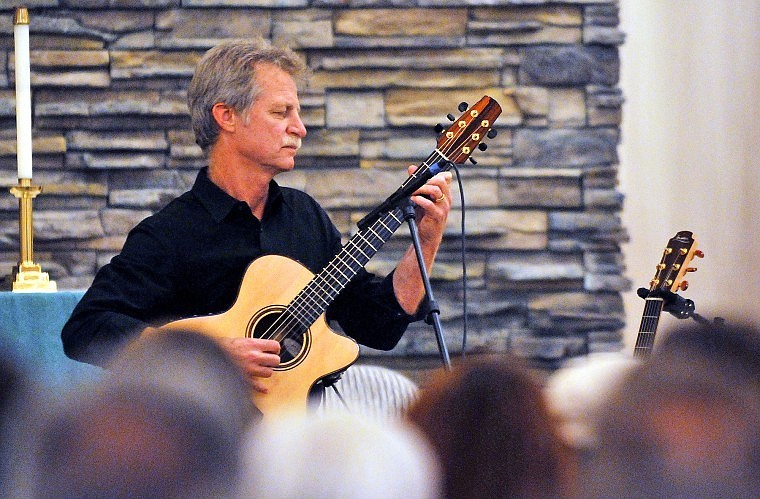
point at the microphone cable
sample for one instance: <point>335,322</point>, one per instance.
<point>463,250</point>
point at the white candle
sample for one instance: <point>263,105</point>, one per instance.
<point>23,93</point>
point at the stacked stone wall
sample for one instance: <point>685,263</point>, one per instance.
<point>112,142</point>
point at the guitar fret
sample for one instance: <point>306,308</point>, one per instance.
<point>354,259</point>
<point>340,271</point>
<point>333,289</point>
<point>349,269</point>
<point>368,242</point>
<point>309,310</point>
<point>379,236</point>
<point>363,254</point>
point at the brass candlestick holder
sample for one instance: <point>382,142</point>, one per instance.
<point>28,276</point>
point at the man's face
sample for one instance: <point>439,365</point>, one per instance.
<point>271,131</point>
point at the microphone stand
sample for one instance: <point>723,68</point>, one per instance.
<point>434,312</point>
<point>433,316</point>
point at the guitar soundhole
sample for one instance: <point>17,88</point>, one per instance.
<point>274,323</point>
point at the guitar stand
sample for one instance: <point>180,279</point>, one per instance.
<point>317,393</point>
<point>434,312</point>
<point>679,307</point>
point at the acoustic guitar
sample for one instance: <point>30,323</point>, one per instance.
<point>280,299</point>
<point>669,279</point>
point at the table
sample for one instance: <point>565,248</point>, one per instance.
<point>30,329</point>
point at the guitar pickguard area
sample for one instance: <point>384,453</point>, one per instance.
<point>273,322</point>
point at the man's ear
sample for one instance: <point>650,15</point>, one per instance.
<point>225,116</point>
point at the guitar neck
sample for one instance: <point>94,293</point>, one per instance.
<point>314,299</point>
<point>649,321</point>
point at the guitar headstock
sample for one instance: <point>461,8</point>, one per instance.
<point>674,265</point>
<point>460,139</point>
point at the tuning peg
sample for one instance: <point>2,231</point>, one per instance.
<point>439,128</point>
<point>472,160</point>
<point>451,117</point>
<point>462,107</point>
<point>699,254</point>
<point>482,146</point>
<point>491,133</point>
<point>691,269</point>
<point>683,285</point>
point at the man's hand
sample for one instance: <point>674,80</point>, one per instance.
<point>433,202</point>
<point>255,356</point>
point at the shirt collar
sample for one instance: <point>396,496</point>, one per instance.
<point>220,204</point>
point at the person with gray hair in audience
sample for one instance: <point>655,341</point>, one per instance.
<point>337,455</point>
<point>166,420</point>
<point>686,422</point>
<point>126,440</point>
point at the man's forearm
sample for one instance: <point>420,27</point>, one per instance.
<point>407,280</point>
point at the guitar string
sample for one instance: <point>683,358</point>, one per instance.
<point>652,318</point>
<point>298,312</point>
<point>294,312</point>
<point>325,287</point>
<point>649,321</point>
<point>358,254</point>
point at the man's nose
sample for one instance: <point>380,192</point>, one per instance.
<point>297,127</point>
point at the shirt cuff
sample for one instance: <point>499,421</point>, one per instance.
<point>401,314</point>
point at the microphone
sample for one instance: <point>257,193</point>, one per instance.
<point>673,303</point>
<point>412,183</point>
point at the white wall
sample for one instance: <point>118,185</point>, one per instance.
<point>690,151</point>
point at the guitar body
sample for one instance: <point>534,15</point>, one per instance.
<point>269,284</point>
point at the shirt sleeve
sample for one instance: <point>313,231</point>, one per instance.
<point>123,295</point>
<point>368,311</point>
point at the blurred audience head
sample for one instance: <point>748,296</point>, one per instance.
<point>19,405</point>
<point>126,440</point>
<point>193,365</point>
<point>686,422</point>
<point>580,389</point>
<point>489,423</point>
<point>13,387</point>
<point>166,420</point>
<point>337,455</point>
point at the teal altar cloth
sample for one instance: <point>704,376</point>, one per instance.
<point>30,329</point>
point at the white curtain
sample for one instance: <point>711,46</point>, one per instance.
<point>690,150</point>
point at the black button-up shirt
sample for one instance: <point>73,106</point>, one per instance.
<point>189,258</point>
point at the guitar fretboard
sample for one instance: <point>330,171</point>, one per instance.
<point>314,299</point>
<point>649,321</point>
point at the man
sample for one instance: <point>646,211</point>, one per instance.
<point>189,258</point>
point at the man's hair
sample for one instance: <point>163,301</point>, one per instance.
<point>226,74</point>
